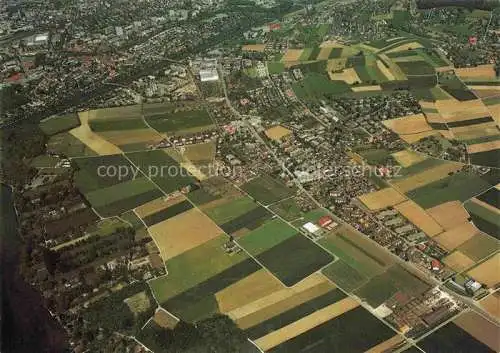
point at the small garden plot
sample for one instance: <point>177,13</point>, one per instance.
<point>267,189</point>
<point>59,123</point>
<point>161,169</point>
<point>178,121</point>
<point>125,310</point>
<point>451,338</point>
<point>183,232</point>
<point>395,280</point>
<point>101,172</point>
<point>65,144</point>
<point>340,333</point>
<point>122,197</point>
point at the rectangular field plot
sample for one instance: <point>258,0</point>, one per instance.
<point>487,272</point>
<point>191,295</point>
<point>122,197</point>
<point>267,189</point>
<point>226,209</point>
<point>266,236</point>
<point>452,338</point>
<point>247,221</point>
<point>162,170</point>
<point>59,123</point>
<point>337,329</point>
<point>395,280</point>
<point>177,120</point>
<point>484,216</point>
<point>68,145</point>
<point>479,247</point>
<point>460,186</point>
<point>100,172</point>
<point>288,209</point>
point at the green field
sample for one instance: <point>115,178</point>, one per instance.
<point>479,247</point>
<point>416,68</point>
<point>162,169</point>
<point>311,216</point>
<point>344,275</point>
<point>460,186</point>
<point>316,86</point>
<point>306,53</point>
<point>104,125</point>
<point>267,189</point>
<point>123,197</point>
<point>275,67</point>
<point>266,236</point>
<point>67,145</point>
<point>59,123</point>
<point>229,211</point>
<point>178,121</point>
<point>396,279</point>
<point>203,262</point>
<point>288,209</point>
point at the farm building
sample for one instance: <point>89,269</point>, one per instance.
<point>404,229</point>
<point>327,222</point>
<point>311,228</point>
<point>394,222</point>
<point>387,213</point>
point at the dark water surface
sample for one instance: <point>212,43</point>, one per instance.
<point>27,326</point>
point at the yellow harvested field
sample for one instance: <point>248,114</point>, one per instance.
<point>412,58</point>
<point>480,328</point>
<point>200,152</point>
<point>403,47</point>
<point>292,55</point>
<point>449,214</point>
<point>336,64</point>
<point>324,53</point>
<point>456,236</point>
<point>380,199</point>
<point>485,88</point>
<point>410,124</point>
<point>495,112</point>
<point>132,136</point>
<point>158,204</point>
<point>387,73</point>
<point>458,261</point>
<point>487,272</point>
<point>421,219</point>
<point>475,131</point>
<point>483,147</point>
<point>92,140</point>
<point>164,319</point>
<point>258,285</point>
<point>455,110</point>
<point>428,176</point>
<point>366,88</point>
<point>277,132</point>
<point>268,306</point>
<point>331,44</point>
<point>305,324</point>
<point>183,232</point>
<point>185,162</point>
<point>408,158</point>
<point>492,304</point>
<point>387,346</point>
<point>367,47</point>
<point>434,118</point>
<point>427,105</point>
<point>254,47</point>
<point>479,72</point>
<point>347,75</point>
<point>412,138</point>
